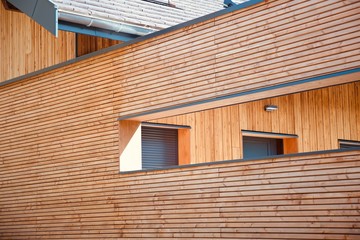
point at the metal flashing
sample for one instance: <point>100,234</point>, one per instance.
<point>97,32</point>
<point>189,167</point>
<point>136,40</point>
<point>355,70</point>
<point>267,134</point>
<point>164,125</point>
<point>35,9</point>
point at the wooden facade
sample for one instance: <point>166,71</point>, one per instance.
<point>260,46</point>
<point>306,197</point>
<point>87,44</point>
<point>60,138</point>
<point>319,118</point>
<point>265,45</point>
<point>26,47</point>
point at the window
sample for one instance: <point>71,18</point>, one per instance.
<point>146,145</point>
<point>262,144</point>
<point>259,147</point>
<point>159,147</point>
<point>343,144</point>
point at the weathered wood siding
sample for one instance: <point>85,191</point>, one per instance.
<point>87,44</point>
<point>59,143</point>
<point>318,117</point>
<point>264,45</point>
<point>277,42</point>
<point>306,197</point>
<point>26,47</point>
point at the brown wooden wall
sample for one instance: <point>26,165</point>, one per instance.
<point>277,42</point>
<point>306,197</point>
<point>264,45</point>
<point>59,144</point>
<point>87,44</point>
<point>318,117</point>
<point>26,47</point>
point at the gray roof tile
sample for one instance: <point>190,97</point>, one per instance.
<point>140,12</point>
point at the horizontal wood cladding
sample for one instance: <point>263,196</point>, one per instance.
<point>264,45</point>
<point>278,42</point>
<point>319,118</point>
<point>314,196</point>
<point>26,47</point>
<point>59,138</point>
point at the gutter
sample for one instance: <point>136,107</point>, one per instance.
<point>100,23</point>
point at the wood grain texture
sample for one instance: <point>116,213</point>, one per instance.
<point>229,55</point>
<point>26,47</point>
<point>59,135</point>
<point>264,45</point>
<point>87,44</point>
<point>309,197</point>
<point>319,118</point>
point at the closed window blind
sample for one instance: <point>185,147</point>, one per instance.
<point>159,147</point>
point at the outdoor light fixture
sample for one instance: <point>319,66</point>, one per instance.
<point>270,108</point>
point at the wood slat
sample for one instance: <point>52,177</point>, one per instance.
<point>26,47</point>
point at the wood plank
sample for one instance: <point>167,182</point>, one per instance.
<point>60,139</point>
<point>210,135</point>
<point>24,41</point>
<point>184,146</point>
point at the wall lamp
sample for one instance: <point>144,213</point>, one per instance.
<point>270,108</point>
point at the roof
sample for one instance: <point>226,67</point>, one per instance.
<point>153,14</point>
<point>117,19</point>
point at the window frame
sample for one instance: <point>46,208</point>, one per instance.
<point>350,143</point>
<point>289,141</point>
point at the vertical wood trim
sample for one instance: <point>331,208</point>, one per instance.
<point>184,146</point>
<point>290,145</point>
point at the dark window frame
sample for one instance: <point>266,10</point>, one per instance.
<point>345,144</point>
<point>288,145</point>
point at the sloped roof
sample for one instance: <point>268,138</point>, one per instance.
<point>117,19</point>
<point>145,13</point>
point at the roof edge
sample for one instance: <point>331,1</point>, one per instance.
<point>101,23</point>
<point>35,9</point>
<point>140,39</point>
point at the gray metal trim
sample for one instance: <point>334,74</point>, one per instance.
<point>189,167</point>
<point>164,125</point>
<point>101,23</point>
<point>265,134</point>
<point>97,32</point>
<point>44,12</point>
<point>140,39</point>
<point>289,84</point>
<point>349,142</point>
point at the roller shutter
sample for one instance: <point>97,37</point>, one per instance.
<point>159,147</point>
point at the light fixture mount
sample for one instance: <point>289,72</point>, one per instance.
<point>270,108</point>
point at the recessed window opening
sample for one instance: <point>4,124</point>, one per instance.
<point>263,144</point>
<point>164,145</point>
<point>145,145</point>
